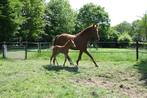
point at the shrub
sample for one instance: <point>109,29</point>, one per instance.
<point>124,39</point>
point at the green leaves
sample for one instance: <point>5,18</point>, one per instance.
<point>9,18</point>
<point>113,35</point>
<point>137,29</point>
<point>93,14</point>
<point>123,27</point>
<point>33,24</point>
<point>60,17</point>
<point>33,20</point>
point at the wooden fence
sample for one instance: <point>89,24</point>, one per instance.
<point>25,46</point>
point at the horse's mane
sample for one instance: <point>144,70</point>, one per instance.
<point>82,32</point>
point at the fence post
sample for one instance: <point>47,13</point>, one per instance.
<point>137,51</point>
<point>26,46</point>
<point>39,47</point>
<point>4,50</point>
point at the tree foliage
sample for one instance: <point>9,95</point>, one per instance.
<point>9,18</point>
<point>123,27</point>
<point>59,17</point>
<point>113,35</point>
<point>21,18</point>
<point>143,27</point>
<point>124,39</point>
<point>33,24</point>
<point>139,29</point>
<point>93,14</point>
<point>33,20</point>
<point>135,30</point>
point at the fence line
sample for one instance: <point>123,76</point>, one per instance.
<point>43,45</point>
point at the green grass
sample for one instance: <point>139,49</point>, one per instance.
<point>102,54</point>
<point>118,76</point>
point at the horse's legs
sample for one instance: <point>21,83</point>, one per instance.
<point>56,60</point>
<point>79,58</point>
<point>69,59</point>
<point>91,58</point>
<point>65,55</point>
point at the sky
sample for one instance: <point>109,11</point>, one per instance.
<point>118,10</point>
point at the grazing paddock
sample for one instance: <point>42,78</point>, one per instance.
<point>119,75</point>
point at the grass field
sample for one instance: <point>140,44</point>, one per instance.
<point>119,76</point>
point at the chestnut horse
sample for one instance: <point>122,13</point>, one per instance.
<point>81,40</point>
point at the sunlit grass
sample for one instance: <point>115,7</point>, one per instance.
<point>101,54</point>
<point>30,79</point>
<point>119,75</point>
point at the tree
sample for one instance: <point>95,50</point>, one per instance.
<point>9,18</point>
<point>113,35</point>
<point>59,17</point>
<point>143,25</point>
<point>123,27</point>
<point>93,14</point>
<point>135,30</point>
<point>33,25</point>
<point>124,39</point>
<point>139,29</point>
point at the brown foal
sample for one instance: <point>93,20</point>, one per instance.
<point>62,49</point>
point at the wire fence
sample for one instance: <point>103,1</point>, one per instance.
<point>20,50</point>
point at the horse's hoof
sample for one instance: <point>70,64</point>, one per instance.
<point>96,66</point>
<point>77,63</point>
<point>77,69</point>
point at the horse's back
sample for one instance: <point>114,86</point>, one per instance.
<point>66,36</point>
<point>63,38</point>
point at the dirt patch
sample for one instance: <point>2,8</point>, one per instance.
<point>127,89</point>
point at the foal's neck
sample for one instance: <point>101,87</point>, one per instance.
<point>67,44</point>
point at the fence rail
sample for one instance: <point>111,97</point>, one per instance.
<point>38,46</point>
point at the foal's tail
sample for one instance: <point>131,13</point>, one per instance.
<point>52,48</point>
<point>55,40</point>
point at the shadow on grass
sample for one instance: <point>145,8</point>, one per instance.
<point>142,68</point>
<point>60,67</point>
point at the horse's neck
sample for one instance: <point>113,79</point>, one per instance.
<point>84,35</point>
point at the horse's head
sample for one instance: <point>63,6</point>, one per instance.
<point>94,32</point>
<point>91,33</point>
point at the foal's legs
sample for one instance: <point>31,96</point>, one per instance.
<point>50,60</point>
<point>91,58</point>
<point>54,58</point>
<point>79,58</point>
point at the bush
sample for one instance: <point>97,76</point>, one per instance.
<point>124,39</point>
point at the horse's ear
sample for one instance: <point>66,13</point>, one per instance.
<point>94,26</point>
<point>70,40</point>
